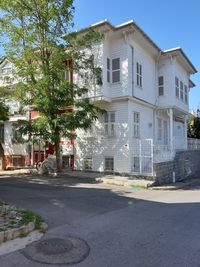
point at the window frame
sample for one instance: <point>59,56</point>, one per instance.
<point>136,124</point>
<point>109,158</point>
<point>115,70</point>
<point>89,159</point>
<point>139,72</point>
<point>181,91</point>
<point>108,70</point>
<point>177,87</point>
<point>186,94</point>
<point>110,124</point>
<point>161,86</point>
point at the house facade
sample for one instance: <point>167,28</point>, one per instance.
<point>145,93</point>
<point>145,96</point>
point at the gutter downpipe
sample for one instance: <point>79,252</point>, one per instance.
<point>156,95</point>
<point>155,109</point>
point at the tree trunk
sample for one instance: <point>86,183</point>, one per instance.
<point>57,150</point>
<point>1,157</point>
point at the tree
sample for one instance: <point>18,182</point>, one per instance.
<point>194,125</point>
<point>3,112</point>
<point>43,51</point>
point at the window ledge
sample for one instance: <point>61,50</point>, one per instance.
<point>117,83</point>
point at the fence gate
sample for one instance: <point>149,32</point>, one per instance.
<point>142,157</point>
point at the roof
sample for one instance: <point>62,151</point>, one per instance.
<point>132,24</point>
<point>179,50</point>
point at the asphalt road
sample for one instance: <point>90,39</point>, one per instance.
<point>123,227</point>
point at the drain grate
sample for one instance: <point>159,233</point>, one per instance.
<point>70,250</point>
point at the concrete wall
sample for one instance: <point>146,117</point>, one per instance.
<point>185,165</point>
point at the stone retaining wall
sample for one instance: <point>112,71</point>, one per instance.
<point>186,164</point>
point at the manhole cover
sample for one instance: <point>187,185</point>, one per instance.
<point>54,246</point>
<point>70,250</point>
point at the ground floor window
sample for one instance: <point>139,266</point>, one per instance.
<point>135,166</point>
<point>109,164</point>
<point>88,163</point>
<point>16,160</point>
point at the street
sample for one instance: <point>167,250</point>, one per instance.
<point>122,226</point>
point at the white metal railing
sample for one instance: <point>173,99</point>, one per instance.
<point>142,157</point>
<point>193,144</point>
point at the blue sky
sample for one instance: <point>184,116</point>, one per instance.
<point>169,23</point>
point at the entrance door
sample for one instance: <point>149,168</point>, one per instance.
<point>165,132</point>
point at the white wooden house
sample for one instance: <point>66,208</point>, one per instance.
<point>145,93</point>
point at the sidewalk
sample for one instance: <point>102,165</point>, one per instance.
<point>109,179</point>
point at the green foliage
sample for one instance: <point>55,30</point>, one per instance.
<point>194,125</point>
<point>29,216</point>
<point>39,43</point>
<point>3,112</point>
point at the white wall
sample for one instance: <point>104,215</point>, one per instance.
<point>9,147</point>
<point>143,57</point>
<point>99,146</point>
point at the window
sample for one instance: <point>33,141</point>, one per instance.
<point>160,85</point>
<point>108,70</point>
<point>136,124</point>
<point>7,68</point>
<point>2,133</point>
<point>109,123</point>
<point>115,70</point>
<point>181,90</point>
<point>17,137</point>
<point>88,163</point>
<point>135,164</point>
<point>177,86</point>
<point>139,74</point>
<point>186,94</point>
<point>109,164</point>
<point>159,129</point>
<point>16,160</point>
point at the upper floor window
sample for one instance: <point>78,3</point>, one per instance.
<point>186,94</point>
<point>2,133</point>
<point>6,68</point>
<point>108,70</point>
<point>160,85</point>
<point>136,124</point>
<point>115,70</point>
<point>181,90</point>
<point>16,135</point>
<point>177,86</point>
<point>109,123</point>
<point>139,74</point>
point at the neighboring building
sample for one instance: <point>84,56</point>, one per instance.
<point>14,153</point>
<point>145,93</point>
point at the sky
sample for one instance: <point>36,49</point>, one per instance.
<point>169,23</point>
